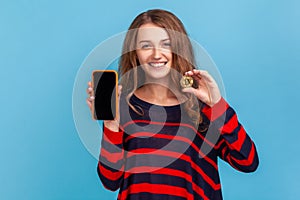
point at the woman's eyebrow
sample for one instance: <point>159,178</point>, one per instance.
<point>144,41</point>
<point>163,40</point>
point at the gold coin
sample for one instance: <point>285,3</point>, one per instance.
<point>186,81</point>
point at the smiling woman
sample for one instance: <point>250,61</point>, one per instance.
<point>154,51</point>
<point>166,141</point>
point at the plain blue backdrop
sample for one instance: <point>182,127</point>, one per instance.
<point>255,44</point>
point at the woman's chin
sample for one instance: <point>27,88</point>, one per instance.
<point>158,73</point>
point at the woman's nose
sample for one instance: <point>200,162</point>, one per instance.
<point>156,53</point>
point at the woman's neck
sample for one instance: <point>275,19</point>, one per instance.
<point>157,94</point>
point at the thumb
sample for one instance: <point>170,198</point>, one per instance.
<point>119,91</point>
<point>189,90</point>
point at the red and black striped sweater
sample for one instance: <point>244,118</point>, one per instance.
<point>161,156</point>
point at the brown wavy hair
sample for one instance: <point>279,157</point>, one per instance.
<point>182,57</point>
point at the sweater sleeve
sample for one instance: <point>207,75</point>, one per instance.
<point>111,160</point>
<point>235,145</point>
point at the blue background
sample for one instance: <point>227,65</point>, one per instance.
<point>255,44</point>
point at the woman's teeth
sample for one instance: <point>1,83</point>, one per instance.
<point>157,64</point>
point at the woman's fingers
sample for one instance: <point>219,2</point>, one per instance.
<point>90,98</point>
<point>190,90</point>
<point>202,77</point>
<point>208,90</point>
<point>89,90</point>
<point>89,103</point>
<point>119,90</point>
<point>199,74</point>
<point>205,75</point>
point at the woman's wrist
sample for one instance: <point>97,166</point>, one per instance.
<point>215,101</point>
<point>112,125</point>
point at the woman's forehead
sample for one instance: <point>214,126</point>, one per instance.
<point>151,32</point>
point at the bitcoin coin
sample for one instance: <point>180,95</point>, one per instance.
<point>186,81</point>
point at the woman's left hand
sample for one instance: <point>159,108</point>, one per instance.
<point>207,91</point>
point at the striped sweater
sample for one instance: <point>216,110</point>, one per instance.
<point>162,156</point>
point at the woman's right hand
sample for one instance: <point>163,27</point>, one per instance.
<point>110,124</point>
<point>91,97</point>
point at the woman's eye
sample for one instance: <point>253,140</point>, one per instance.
<point>145,46</point>
<point>167,45</point>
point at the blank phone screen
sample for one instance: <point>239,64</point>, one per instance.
<point>105,83</point>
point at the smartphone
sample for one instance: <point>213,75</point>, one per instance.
<point>105,84</point>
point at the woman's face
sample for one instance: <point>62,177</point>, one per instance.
<point>154,51</point>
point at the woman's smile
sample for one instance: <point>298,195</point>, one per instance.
<point>157,64</point>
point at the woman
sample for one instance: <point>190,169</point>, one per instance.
<point>167,139</point>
